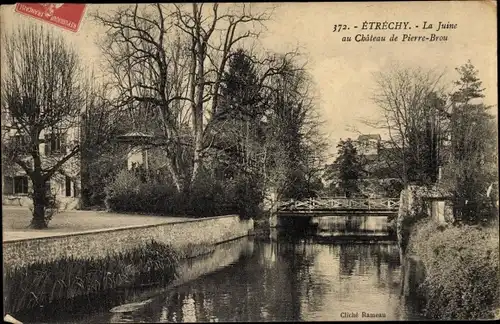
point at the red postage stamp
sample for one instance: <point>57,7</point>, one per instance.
<point>65,15</point>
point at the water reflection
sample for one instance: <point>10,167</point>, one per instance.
<point>285,281</point>
<point>351,225</point>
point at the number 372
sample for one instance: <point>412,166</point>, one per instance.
<point>339,27</point>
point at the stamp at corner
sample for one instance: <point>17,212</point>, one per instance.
<point>65,15</point>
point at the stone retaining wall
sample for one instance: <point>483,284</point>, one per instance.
<point>182,236</point>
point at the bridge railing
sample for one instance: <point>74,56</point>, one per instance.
<point>340,203</point>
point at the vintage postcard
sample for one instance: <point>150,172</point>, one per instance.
<point>234,162</point>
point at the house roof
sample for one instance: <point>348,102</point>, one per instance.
<point>366,137</point>
<point>133,137</point>
<point>135,134</point>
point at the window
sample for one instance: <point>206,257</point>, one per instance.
<point>20,140</point>
<point>21,185</point>
<point>55,142</point>
<point>8,185</point>
<point>68,186</point>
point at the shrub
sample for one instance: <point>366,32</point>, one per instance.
<point>207,196</point>
<point>462,270</point>
<point>157,199</point>
<point>392,188</point>
<point>249,193</point>
<point>122,193</point>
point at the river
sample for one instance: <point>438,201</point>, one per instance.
<point>266,279</point>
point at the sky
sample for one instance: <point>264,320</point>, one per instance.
<point>343,71</point>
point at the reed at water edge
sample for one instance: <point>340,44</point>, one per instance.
<point>42,283</point>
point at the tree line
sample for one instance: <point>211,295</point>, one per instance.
<point>218,109</point>
<point>436,137</point>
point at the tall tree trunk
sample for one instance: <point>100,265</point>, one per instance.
<point>198,114</point>
<point>174,175</point>
<point>247,147</point>
<point>39,193</point>
<point>196,156</point>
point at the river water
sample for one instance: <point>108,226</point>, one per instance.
<point>271,279</point>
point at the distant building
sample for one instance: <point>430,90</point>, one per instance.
<point>137,152</point>
<point>379,158</point>
<point>368,144</point>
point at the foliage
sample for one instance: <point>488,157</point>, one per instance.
<point>296,146</point>
<point>473,162</point>
<point>267,133</point>
<point>42,283</point>
<point>462,270</point>
<point>392,188</point>
<point>98,173</point>
<point>239,120</point>
<point>101,159</point>
<point>469,85</point>
<point>349,167</point>
<point>208,196</point>
<point>429,129</point>
<point>249,195</point>
<point>175,83</point>
<point>26,97</point>
<point>127,193</point>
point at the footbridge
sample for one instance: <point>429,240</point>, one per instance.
<point>338,206</point>
<point>354,217</point>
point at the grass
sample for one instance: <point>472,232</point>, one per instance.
<point>43,283</point>
<point>16,219</point>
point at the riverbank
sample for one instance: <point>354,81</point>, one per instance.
<point>450,271</point>
<point>112,305</point>
<point>97,251</point>
<point>461,267</point>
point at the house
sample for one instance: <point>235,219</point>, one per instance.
<point>65,184</point>
<point>368,145</point>
<point>137,148</point>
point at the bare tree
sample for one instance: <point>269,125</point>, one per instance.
<point>213,36</point>
<point>146,60</point>
<point>412,110</point>
<point>171,59</point>
<point>42,98</point>
<point>99,153</point>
